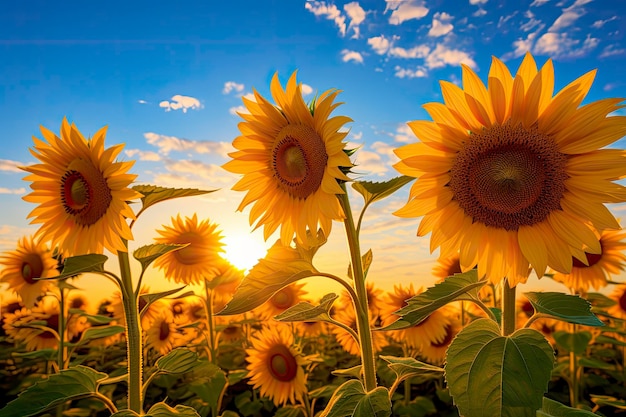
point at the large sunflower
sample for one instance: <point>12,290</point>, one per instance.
<point>81,191</point>
<point>200,259</point>
<point>291,156</point>
<point>31,259</point>
<point>598,267</point>
<point>510,176</point>
<point>275,366</point>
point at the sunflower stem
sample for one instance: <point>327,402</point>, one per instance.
<point>133,334</point>
<point>361,304</point>
<point>208,305</point>
<point>63,311</point>
<point>508,308</point>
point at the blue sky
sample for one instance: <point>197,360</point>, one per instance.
<point>168,78</point>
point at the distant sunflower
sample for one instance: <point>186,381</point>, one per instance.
<point>598,267</point>
<point>509,176</point>
<point>447,266</point>
<point>36,328</point>
<point>619,296</point>
<point>291,156</point>
<point>346,341</point>
<point>82,192</point>
<point>163,335</point>
<point>283,299</point>
<point>374,298</point>
<point>434,351</point>
<point>276,366</point>
<point>31,259</point>
<point>200,259</point>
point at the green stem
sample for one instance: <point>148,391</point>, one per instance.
<point>210,318</point>
<point>361,304</point>
<point>133,335</point>
<point>63,311</point>
<point>573,370</point>
<point>508,308</point>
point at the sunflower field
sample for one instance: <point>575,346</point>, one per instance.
<point>508,178</point>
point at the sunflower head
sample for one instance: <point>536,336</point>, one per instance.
<point>82,192</point>
<point>275,366</point>
<point>292,158</point>
<point>200,259</point>
<point>510,176</point>
<point>21,267</point>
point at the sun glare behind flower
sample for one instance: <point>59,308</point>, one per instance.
<point>243,250</point>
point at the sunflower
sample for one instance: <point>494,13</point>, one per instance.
<point>275,366</point>
<point>162,336</point>
<point>434,351</point>
<point>345,339</point>
<point>281,300</point>
<point>36,328</point>
<point>31,259</point>
<point>291,156</point>
<point>447,266</point>
<point>511,177</point>
<point>200,259</point>
<point>81,191</point>
<point>619,296</point>
<point>374,298</point>
<point>598,267</point>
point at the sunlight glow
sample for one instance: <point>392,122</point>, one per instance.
<point>243,250</point>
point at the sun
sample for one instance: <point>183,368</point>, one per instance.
<point>243,250</point>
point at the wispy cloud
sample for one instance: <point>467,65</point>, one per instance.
<point>599,23</point>
<point>329,11</point>
<point>475,2</point>
<point>167,144</point>
<point>142,102</point>
<point>418,72</point>
<point>348,55</point>
<point>10,166</point>
<point>357,16</point>
<point>612,50</point>
<point>18,191</point>
<point>441,25</point>
<point>230,86</point>
<point>380,44</point>
<point>180,102</point>
<point>403,10</point>
<point>142,155</point>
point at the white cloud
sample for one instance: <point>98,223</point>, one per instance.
<point>179,102</point>
<point>599,23</point>
<point>357,16</point>
<point>521,46</point>
<point>16,191</point>
<point>329,11</point>
<point>10,166</point>
<point>348,55</point>
<point>404,134</point>
<point>480,12</point>
<point>419,51</point>
<point>538,3</point>
<point>560,45</point>
<point>441,25</point>
<point>418,72</point>
<point>474,2</point>
<point>404,10</point>
<point>380,44</point>
<point>142,102</point>
<point>356,135</point>
<point>532,22</point>
<point>611,50</point>
<point>167,144</point>
<point>142,155</point>
<point>235,111</point>
<point>305,88</point>
<point>442,56</point>
<point>230,86</point>
<point>368,163</point>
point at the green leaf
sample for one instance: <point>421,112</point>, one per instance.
<point>353,372</point>
<point>607,400</point>
<point>607,339</point>
<point>92,318</point>
<point>374,191</point>
<point>304,311</point>
<point>551,408</point>
<point>493,375</point>
<point>254,292</point>
<point>153,194</point>
<point>76,382</point>
<point>125,413</point>
<point>178,361</point>
<point>99,332</point>
<point>418,308</point>
<point>289,411</point>
<point>47,354</point>
<point>81,264</point>
<point>350,399</point>
<point>573,342</point>
<point>366,262</point>
<point>148,299</point>
<point>405,368</point>
<point>163,410</point>
<point>594,363</point>
<point>149,253</point>
<point>210,386</point>
<point>570,308</point>
<point>600,300</point>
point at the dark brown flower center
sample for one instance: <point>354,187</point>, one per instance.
<point>52,322</point>
<point>592,259</point>
<point>281,363</point>
<point>447,339</point>
<point>507,177</point>
<point>85,194</point>
<point>192,254</point>
<point>32,267</point>
<point>454,267</point>
<point>527,308</point>
<point>164,330</point>
<point>283,299</point>
<point>622,301</point>
<point>299,160</point>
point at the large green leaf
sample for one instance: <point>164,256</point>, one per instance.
<point>418,308</point>
<point>493,375</point>
<point>254,292</point>
<point>412,368</point>
<point>210,385</point>
<point>374,191</point>
<point>76,382</point>
<point>148,299</point>
<point>178,361</point>
<point>81,264</point>
<point>149,253</point>
<point>570,308</point>
<point>573,342</point>
<point>163,410</point>
<point>551,408</point>
<point>350,399</point>
<point>99,332</point>
<point>305,311</point>
<point>153,194</point>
